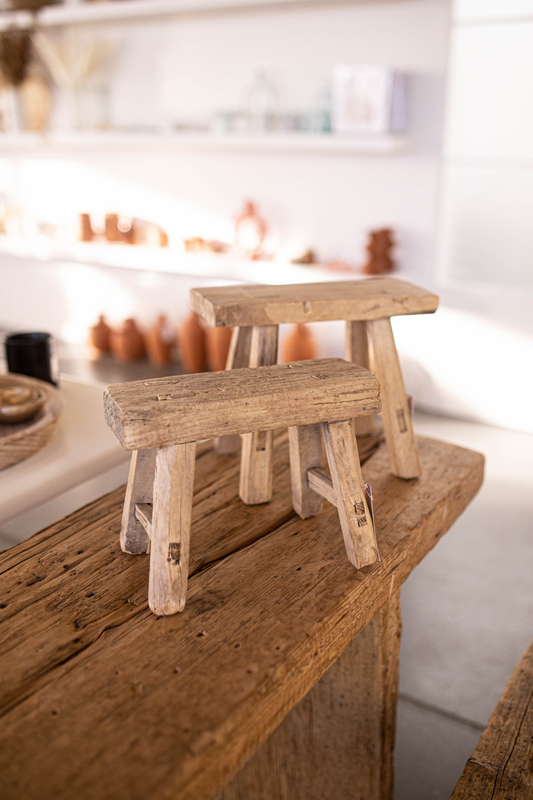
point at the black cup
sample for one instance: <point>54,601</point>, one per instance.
<point>32,354</point>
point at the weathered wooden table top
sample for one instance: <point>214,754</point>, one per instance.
<point>501,766</point>
<point>101,699</point>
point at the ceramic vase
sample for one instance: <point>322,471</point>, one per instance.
<point>128,343</point>
<point>299,345</point>
<point>218,342</point>
<point>160,340</point>
<point>100,337</point>
<point>193,347</point>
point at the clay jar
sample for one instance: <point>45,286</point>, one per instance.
<point>193,346</point>
<point>299,345</point>
<point>128,343</point>
<point>100,337</point>
<point>218,342</point>
<point>160,340</point>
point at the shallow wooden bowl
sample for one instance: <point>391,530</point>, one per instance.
<point>20,440</point>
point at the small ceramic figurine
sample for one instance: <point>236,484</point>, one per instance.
<point>160,340</point>
<point>379,246</point>
<point>128,343</point>
<point>192,339</point>
<point>218,342</point>
<point>299,345</point>
<point>251,231</point>
<point>100,336</point>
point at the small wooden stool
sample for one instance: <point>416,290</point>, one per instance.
<point>161,420</point>
<point>367,306</point>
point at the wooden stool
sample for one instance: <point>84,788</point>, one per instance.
<point>367,306</point>
<point>161,420</point>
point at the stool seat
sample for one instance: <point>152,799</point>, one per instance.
<point>187,408</point>
<point>161,420</point>
<point>357,300</point>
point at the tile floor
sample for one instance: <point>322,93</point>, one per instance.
<point>467,614</point>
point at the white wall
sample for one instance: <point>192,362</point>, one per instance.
<point>486,248</point>
<point>483,342</point>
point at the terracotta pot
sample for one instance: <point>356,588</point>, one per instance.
<point>193,346</point>
<point>128,343</point>
<point>160,340</point>
<point>100,336</point>
<point>86,231</point>
<point>299,345</point>
<point>112,233</point>
<point>218,342</point>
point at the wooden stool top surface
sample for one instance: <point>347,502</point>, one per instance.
<point>187,408</point>
<point>501,765</point>
<point>374,298</point>
<point>101,699</point>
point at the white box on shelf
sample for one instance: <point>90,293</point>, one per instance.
<point>368,99</point>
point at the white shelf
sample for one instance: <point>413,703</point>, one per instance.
<point>274,143</point>
<point>75,13</point>
<point>224,267</point>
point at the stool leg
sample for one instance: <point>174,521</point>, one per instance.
<point>305,449</point>
<point>357,351</point>
<point>238,357</point>
<point>133,537</point>
<point>356,523</point>
<point>399,434</point>
<point>256,455</point>
<point>171,527</point>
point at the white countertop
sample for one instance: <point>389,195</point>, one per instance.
<point>82,447</point>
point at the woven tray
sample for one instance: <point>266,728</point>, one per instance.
<point>19,441</point>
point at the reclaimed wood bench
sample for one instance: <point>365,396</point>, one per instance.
<point>501,766</point>
<point>161,420</point>
<point>101,699</point>
<point>367,306</point>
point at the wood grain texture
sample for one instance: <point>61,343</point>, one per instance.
<point>305,450</point>
<point>256,451</point>
<point>357,351</point>
<point>100,698</point>
<point>140,489</point>
<point>321,483</point>
<point>238,357</point>
<point>501,766</point>
<point>338,742</point>
<point>396,416</point>
<point>187,408</point>
<point>374,298</point>
<point>171,528</point>
<point>355,519</point>
<point>143,512</point>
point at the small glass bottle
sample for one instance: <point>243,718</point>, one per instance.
<point>262,104</point>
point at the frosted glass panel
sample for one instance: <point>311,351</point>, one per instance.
<point>488,225</point>
<point>491,9</point>
<point>490,112</point>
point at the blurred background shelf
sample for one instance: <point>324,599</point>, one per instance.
<point>277,143</point>
<point>215,266</point>
<point>80,12</point>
